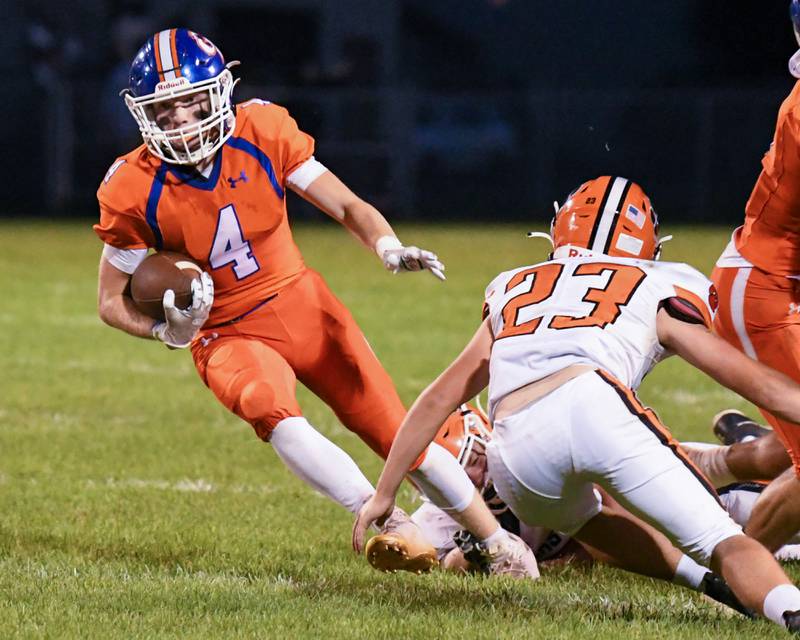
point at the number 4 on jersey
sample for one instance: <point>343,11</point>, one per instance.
<point>229,245</point>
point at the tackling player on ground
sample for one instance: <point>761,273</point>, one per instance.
<point>210,182</point>
<point>563,347</point>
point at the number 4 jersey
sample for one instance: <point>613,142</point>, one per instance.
<point>233,223</point>
<point>597,310</point>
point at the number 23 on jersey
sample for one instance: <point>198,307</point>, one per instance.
<point>608,301</point>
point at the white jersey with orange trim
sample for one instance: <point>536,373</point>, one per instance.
<point>594,310</point>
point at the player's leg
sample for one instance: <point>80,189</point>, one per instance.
<point>257,384</point>
<point>533,469</point>
<point>760,459</point>
<point>636,459</point>
<point>764,458</point>
<point>339,366</point>
<point>775,518</point>
<point>756,316</point>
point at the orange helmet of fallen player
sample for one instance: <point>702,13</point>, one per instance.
<point>463,428</point>
<point>608,215</point>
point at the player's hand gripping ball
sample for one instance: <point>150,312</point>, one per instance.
<point>159,272</point>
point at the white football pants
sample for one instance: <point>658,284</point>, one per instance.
<point>544,458</point>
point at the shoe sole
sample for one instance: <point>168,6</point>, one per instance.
<point>388,552</point>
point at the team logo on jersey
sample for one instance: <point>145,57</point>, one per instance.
<point>794,308</point>
<point>242,178</point>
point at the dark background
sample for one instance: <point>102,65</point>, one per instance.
<point>433,110</point>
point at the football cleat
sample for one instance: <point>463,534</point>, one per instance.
<point>717,589</point>
<point>400,546</point>
<point>732,426</point>
<point>511,557</point>
<point>792,621</point>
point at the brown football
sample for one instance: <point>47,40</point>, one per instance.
<point>159,272</point>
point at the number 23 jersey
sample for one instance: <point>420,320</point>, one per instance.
<point>233,223</point>
<point>597,310</point>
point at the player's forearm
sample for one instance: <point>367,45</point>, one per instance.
<point>417,432</point>
<point>366,223</point>
<point>119,312</point>
<point>761,385</point>
<point>773,391</point>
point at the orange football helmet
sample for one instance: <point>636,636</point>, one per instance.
<point>462,429</point>
<point>608,215</point>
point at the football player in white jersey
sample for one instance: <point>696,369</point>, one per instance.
<point>563,347</point>
<point>467,432</point>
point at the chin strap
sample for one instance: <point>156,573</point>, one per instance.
<point>541,234</point>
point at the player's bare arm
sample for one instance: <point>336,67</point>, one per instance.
<point>179,327</point>
<point>467,376</point>
<point>758,383</point>
<point>329,194</point>
<point>116,308</point>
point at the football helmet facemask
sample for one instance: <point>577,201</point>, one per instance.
<point>463,428</point>
<point>181,64</point>
<point>608,215</point>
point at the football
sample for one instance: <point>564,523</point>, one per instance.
<point>157,273</point>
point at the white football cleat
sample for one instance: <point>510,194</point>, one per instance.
<point>510,556</point>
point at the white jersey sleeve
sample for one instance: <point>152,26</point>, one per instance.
<point>599,311</point>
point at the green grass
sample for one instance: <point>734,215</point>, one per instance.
<point>133,505</point>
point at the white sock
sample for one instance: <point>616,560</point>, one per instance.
<point>320,463</point>
<point>443,481</point>
<point>498,535</point>
<point>713,464</point>
<point>784,597</point>
<point>689,574</point>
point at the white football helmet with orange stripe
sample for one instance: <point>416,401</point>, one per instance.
<point>175,64</point>
<point>608,215</point>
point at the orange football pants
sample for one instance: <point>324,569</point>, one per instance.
<point>304,333</point>
<point>759,314</point>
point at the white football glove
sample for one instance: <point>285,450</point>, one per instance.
<point>181,326</point>
<point>398,258</point>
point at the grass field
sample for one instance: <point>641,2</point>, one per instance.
<point>133,505</point>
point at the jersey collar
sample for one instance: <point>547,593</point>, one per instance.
<point>192,177</point>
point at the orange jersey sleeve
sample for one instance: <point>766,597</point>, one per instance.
<point>770,237</point>
<point>278,134</point>
<point>122,197</point>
